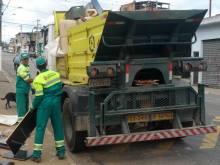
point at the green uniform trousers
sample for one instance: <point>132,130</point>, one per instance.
<point>22,101</point>
<point>50,107</point>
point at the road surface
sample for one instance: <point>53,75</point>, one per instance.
<point>197,150</point>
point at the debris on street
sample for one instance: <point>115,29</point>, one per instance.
<point>8,120</point>
<point>6,162</point>
<point>128,79</point>
<point>146,82</point>
<point>21,155</point>
<point>22,132</point>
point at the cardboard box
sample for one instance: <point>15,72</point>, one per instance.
<point>65,25</point>
<point>61,66</point>
<point>64,44</point>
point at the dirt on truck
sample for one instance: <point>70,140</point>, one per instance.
<point>122,75</point>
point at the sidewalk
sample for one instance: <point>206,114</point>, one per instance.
<point>3,77</point>
<point>49,153</point>
<point>212,91</point>
<point>208,90</point>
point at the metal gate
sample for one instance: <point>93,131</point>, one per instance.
<point>211,53</point>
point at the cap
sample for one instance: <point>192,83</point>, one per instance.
<point>24,56</point>
<point>41,61</point>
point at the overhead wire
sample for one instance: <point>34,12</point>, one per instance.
<point>9,1</point>
<point>14,7</point>
<point>17,23</point>
<point>35,11</point>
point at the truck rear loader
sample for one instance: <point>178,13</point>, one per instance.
<point>122,77</point>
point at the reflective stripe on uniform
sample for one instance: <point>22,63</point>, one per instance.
<point>39,93</point>
<point>38,88</point>
<point>59,143</point>
<point>51,82</point>
<point>26,77</point>
<point>45,80</point>
<point>38,147</point>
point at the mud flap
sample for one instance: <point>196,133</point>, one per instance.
<point>22,132</point>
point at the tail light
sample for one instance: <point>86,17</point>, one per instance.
<point>94,72</point>
<point>187,67</point>
<point>170,69</point>
<point>101,75</point>
<point>110,72</point>
<point>202,66</point>
<point>127,70</point>
<point>194,67</point>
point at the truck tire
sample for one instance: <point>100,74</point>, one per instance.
<point>74,139</point>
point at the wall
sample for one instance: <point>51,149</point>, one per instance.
<point>128,7</point>
<point>205,32</point>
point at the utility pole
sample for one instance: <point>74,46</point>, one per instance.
<point>210,8</point>
<point>37,36</point>
<point>21,28</point>
<point>1,4</point>
<point>21,36</point>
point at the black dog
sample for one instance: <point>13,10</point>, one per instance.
<point>9,97</point>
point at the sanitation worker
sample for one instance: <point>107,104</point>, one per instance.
<point>47,102</point>
<point>16,62</point>
<point>23,81</point>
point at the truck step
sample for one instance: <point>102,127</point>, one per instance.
<point>149,136</point>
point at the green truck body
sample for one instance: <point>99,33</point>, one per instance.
<point>134,90</point>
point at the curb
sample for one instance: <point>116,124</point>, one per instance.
<point>209,90</point>
<point>4,77</point>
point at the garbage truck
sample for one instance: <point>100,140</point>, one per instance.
<point>123,82</point>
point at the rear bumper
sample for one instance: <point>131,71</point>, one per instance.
<point>149,136</point>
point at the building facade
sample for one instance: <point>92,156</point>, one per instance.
<point>145,6</point>
<point>23,39</point>
<point>26,40</point>
<point>12,47</point>
<point>208,47</point>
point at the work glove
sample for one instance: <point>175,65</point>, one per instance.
<point>37,73</point>
<point>32,91</point>
<point>30,80</point>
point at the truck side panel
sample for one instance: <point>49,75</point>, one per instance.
<point>83,42</point>
<point>58,16</point>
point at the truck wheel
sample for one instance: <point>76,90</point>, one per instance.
<point>74,139</point>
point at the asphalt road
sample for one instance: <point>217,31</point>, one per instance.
<point>197,150</point>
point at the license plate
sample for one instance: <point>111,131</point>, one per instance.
<point>150,117</point>
<point>105,82</point>
<point>161,116</point>
<point>138,118</point>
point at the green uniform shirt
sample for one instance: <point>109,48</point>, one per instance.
<point>46,84</point>
<point>23,74</point>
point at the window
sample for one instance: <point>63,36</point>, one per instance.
<point>196,54</point>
